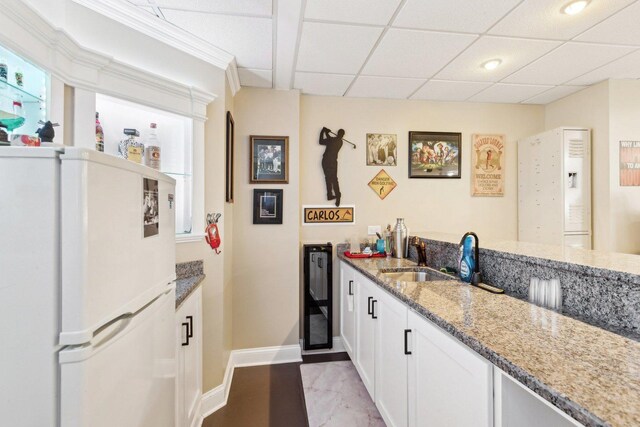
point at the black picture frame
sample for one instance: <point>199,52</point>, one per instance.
<point>229,158</point>
<point>267,206</point>
<point>269,160</point>
<point>435,155</point>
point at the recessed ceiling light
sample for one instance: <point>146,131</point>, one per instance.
<point>492,64</point>
<point>575,7</point>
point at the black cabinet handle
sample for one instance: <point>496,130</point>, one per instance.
<point>319,262</point>
<point>313,257</point>
<point>190,327</point>
<point>406,341</point>
<point>373,309</point>
<point>369,306</point>
<point>186,335</point>
<point>350,289</point>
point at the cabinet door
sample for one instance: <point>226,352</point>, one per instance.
<point>392,360</point>
<point>365,332</point>
<point>347,309</point>
<point>449,385</point>
<point>189,322</point>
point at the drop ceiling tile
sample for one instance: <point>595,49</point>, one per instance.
<point>413,53</point>
<point>255,78</point>
<point>554,94</point>
<point>322,84</point>
<point>514,53</point>
<point>248,39</point>
<point>241,7</point>
<point>384,87</point>
<point>627,67</point>
<point>440,90</point>
<point>508,93</point>
<point>354,11</point>
<point>335,48</point>
<point>453,15</point>
<point>544,19</point>
<point>567,62</point>
<point>621,28</point>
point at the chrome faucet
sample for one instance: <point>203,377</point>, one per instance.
<point>476,277</point>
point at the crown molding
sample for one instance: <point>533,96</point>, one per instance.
<point>30,35</point>
<point>233,77</point>
<point>132,16</point>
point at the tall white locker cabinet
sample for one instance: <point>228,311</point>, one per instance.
<point>554,188</point>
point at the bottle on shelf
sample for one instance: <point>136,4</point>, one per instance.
<point>4,69</point>
<point>130,148</point>
<point>99,134</point>
<point>19,77</point>
<point>152,149</point>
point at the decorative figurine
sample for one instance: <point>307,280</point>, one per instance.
<point>46,132</point>
<point>333,145</point>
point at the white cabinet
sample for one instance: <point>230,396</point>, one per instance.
<point>347,309</point>
<point>449,385</point>
<point>391,359</point>
<point>366,294</point>
<point>189,360</point>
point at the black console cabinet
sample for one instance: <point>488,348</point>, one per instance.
<point>318,294</point>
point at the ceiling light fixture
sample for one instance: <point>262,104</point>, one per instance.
<point>575,7</point>
<point>492,64</point>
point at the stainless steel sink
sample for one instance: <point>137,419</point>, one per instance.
<point>414,274</point>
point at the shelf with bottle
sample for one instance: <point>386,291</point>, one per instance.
<point>13,92</point>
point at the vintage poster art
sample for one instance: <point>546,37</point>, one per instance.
<point>629,163</point>
<point>435,154</point>
<point>487,165</point>
<point>382,149</point>
<point>269,159</point>
<point>150,214</point>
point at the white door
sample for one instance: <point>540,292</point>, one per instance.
<point>109,267</point>
<point>347,309</point>
<point>365,332</point>
<point>392,348</point>
<point>126,377</point>
<point>449,384</point>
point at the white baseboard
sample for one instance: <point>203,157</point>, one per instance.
<point>338,347</point>
<point>216,398</point>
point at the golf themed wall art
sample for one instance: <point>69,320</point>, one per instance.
<point>269,160</point>
<point>487,167</point>
<point>435,154</point>
<point>382,149</point>
<point>333,143</point>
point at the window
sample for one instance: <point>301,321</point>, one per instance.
<point>175,137</point>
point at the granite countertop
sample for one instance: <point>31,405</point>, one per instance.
<point>188,276</point>
<point>591,374</point>
<point>621,266</point>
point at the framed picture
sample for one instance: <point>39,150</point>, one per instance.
<point>267,206</point>
<point>435,154</point>
<point>269,159</point>
<point>382,149</point>
<point>229,164</point>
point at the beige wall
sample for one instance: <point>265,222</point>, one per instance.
<point>426,204</point>
<point>611,109</point>
<point>217,287</point>
<point>265,257</point>
<point>624,201</point>
<point>590,108</point>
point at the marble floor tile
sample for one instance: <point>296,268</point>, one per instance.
<point>336,397</point>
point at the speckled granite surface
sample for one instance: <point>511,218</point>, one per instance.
<point>591,374</point>
<point>598,287</point>
<point>189,276</point>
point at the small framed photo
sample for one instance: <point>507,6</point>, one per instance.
<point>435,154</point>
<point>229,159</point>
<point>382,149</point>
<point>267,206</point>
<point>269,159</point>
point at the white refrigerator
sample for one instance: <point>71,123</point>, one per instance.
<point>87,293</point>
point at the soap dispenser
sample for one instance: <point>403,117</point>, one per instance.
<point>467,263</point>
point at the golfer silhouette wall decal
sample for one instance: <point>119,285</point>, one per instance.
<point>333,144</point>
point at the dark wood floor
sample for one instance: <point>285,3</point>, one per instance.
<point>268,396</point>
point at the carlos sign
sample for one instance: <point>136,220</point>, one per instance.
<point>328,215</point>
